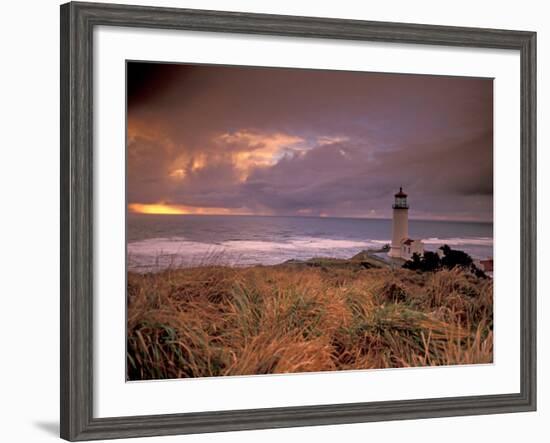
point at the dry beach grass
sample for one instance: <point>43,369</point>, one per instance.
<point>321,316</point>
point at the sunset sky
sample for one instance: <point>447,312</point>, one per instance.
<point>240,140</point>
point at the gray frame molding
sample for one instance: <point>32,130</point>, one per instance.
<point>77,23</point>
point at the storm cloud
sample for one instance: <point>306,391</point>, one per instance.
<point>275,141</point>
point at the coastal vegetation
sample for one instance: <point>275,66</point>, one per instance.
<point>315,315</point>
<point>445,258</point>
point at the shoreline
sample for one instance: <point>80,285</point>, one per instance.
<point>369,258</point>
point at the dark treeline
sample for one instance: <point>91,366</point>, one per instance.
<point>448,259</point>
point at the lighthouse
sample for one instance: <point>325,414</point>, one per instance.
<point>400,223</point>
<point>402,246</point>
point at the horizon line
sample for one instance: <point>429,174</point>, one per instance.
<point>129,212</point>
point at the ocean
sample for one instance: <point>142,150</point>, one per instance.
<point>155,242</point>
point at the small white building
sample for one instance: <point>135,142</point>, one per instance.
<point>485,265</point>
<point>401,245</point>
<point>410,247</point>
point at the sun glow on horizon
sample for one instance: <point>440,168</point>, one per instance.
<point>171,209</point>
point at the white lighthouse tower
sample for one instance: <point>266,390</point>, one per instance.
<point>400,225</point>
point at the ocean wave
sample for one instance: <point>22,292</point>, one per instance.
<point>297,243</point>
<point>162,252</point>
<point>457,241</point>
<point>158,253</point>
<point>174,245</point>
<point>164,245</point>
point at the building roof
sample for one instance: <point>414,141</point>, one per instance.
<point>401,193</point>
<point>487,265</point>
<point>408,241</point>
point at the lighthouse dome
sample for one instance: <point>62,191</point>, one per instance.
<point>401,194</point>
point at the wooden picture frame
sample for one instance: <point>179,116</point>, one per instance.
<point>77,23</point>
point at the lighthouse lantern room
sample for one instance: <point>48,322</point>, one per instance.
<point>400,200</point>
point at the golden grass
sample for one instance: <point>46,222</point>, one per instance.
<point>215,321</point>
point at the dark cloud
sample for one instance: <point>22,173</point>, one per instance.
<point>287,141</point>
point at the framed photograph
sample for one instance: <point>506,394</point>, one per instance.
<point>273,221</point>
